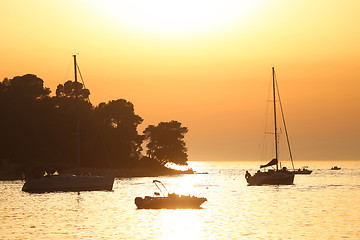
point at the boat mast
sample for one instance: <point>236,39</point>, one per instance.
<point>286,132</point>
<point>276,135</point>
<point>77,116</point>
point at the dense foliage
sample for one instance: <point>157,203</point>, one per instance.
<point>166,142</point>
<point>38,128</point>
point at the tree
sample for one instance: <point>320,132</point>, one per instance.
<point>68,90</point>
<point>166,142</point>
<point>28,87</point>
<point>65,125</point>
<point>119,124</point>
<point>24,104</point>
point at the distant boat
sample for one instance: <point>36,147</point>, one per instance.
<point>303,170</point>
<point>168,200</point>
<point>335,168</point>
<point>274,176</point>
<point>70,182</point>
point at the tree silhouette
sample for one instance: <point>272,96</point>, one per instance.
<point>38,130</point>
<point>24,103</point>
<point>65,125</point>
<point>28,87</point>
<point>119,123</point>
<point>166,142</point>
<point>68,90</point>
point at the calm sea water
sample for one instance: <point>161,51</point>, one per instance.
<point>323,205</point>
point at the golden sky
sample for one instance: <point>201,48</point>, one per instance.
<point>206,64</point>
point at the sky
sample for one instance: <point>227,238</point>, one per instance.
<point>206,64</point>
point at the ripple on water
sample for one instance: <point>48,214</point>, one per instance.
<point>323,205</point>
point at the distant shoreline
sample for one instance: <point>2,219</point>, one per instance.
<point>12,175</point>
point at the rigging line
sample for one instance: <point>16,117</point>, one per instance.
<point>82,80</point>
<point>265,123</point>
<point>283,117</point>
<point>159,189</point>
<point>97,125</point>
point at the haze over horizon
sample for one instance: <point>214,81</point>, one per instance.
<point>205,64</point>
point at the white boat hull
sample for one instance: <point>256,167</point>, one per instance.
<point>169,202</point>
<point>69,183</point>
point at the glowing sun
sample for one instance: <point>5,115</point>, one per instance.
<point>175,17</point>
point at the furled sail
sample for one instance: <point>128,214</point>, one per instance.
<point>272,162</point>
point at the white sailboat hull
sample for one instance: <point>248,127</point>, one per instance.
<point>69,183</point>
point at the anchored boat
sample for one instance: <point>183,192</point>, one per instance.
<point>168,200</point>
<point>335,168</point>
<point>278,175</point>
<point>303,170</point>
<point>70,182</point>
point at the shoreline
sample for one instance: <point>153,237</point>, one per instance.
<point>13,175</point>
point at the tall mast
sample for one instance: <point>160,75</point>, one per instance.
<point>77,116</point>
<point>286,132</point>
<point>276,143</point>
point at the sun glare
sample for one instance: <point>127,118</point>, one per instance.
<point>180,225</point>
<point>175,17</point>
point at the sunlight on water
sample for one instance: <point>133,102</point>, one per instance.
<point>323,205</point>
<point>180,224</point>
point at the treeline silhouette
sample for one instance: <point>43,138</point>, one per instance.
<point>37,128</point>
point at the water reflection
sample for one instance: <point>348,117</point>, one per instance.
<point>323,205</point>
<point>181,224</point>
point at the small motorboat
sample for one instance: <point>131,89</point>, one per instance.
<point>335,168</point>
<point>168,200</point>
<point>303,170</point>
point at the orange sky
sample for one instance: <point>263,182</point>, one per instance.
<point>206,64</point>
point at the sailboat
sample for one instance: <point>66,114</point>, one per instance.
<point>70,182</point>
<point>276,175</point>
